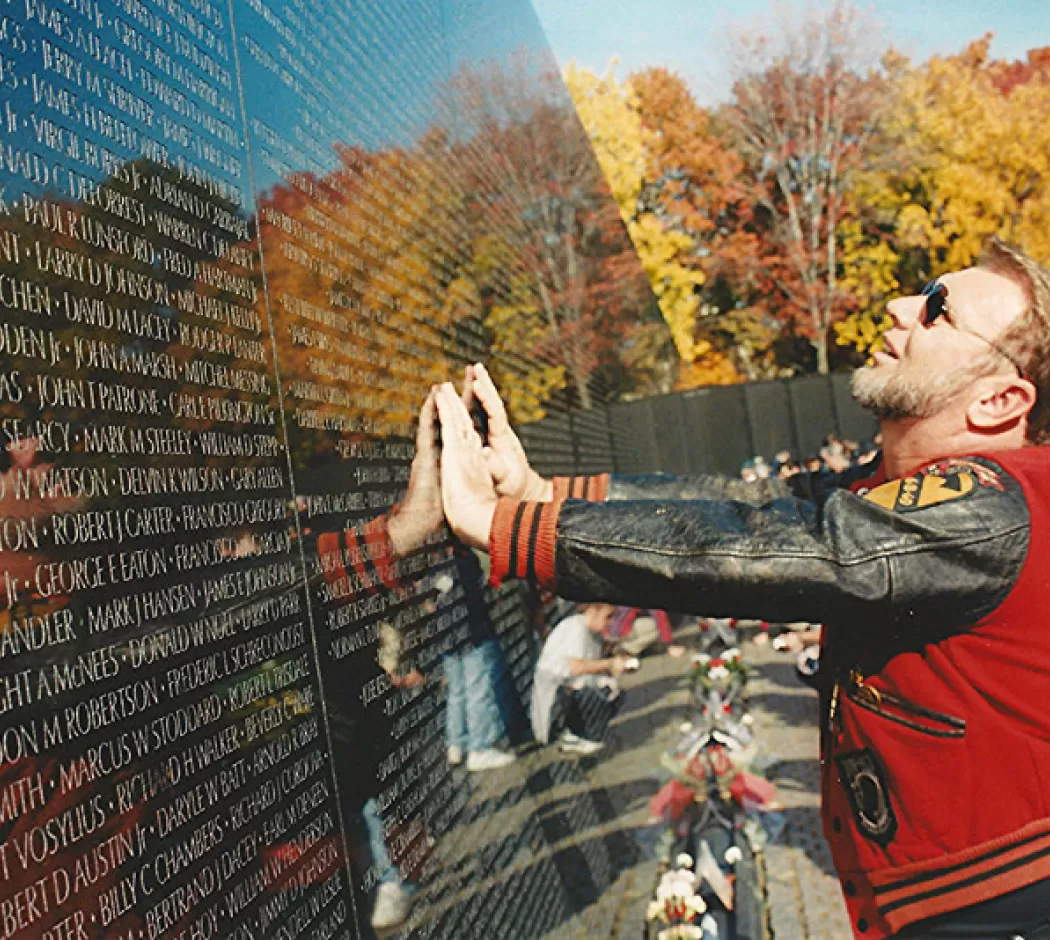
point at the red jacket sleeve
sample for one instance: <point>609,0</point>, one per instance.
<point>362,557</point>
<point>521,543</point>
<point>594,488</point>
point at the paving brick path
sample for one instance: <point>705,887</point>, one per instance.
<point>805,902</point>
<point>555,846</point>
<point>559,848</point>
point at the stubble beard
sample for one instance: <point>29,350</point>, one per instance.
<point>891,395</point>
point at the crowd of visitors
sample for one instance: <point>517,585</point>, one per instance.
<point>836,455</point>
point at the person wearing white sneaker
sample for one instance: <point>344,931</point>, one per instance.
<point>357,560</point>
<point>574,744</point>
<point>474,716</point>
<point>394,896</point>
<point>489,759</point>
<point>393,905</point>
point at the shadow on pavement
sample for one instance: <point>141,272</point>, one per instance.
<point>533,900</point>
<point>632,731</point>
<point>549,847</point>
<point>797,711</point>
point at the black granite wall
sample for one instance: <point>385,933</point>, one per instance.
<point>238,243</point>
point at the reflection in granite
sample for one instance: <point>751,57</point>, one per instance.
<point>238,244</point>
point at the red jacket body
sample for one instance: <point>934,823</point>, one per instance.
<point>936,660</point>
<point>946,749</point>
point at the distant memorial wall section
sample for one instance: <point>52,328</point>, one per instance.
<point>238,243</point>
<point>717,429</point>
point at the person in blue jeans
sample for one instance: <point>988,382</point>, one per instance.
<point>475,717</point>
<point>394,894</point>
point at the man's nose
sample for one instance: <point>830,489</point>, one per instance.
<point>905,311</point>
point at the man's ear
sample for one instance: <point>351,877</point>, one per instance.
<point>1001,402</point>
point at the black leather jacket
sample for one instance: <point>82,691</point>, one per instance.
<point>807,548</point>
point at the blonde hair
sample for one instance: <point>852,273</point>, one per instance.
<point>1027,339</point>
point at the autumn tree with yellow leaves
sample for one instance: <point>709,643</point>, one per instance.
<point>633,156</point>
<point>610,115</point>
<point>964,156</point>
<point>837,175</point>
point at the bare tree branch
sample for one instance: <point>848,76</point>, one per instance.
<point>807,103</point>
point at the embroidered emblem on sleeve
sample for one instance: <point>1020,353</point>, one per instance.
<point>985,476</point>
<point>925,489</point>
<point>869,795</point>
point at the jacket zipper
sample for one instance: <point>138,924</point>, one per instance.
<point>885,704</point>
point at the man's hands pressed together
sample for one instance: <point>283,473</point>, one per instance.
<point>504,456</point>
<point>465,478</point>
<point>475,473</point>
<point>467,487</point>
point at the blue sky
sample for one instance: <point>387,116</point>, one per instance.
<point>686,35</point>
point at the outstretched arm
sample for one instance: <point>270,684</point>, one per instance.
<point>948,555</point>
<point>363,557</point>
<point>420,515</point>
<point>944,545</point>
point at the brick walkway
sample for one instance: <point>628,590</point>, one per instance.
<point>805,902</point>
<point>559,848</point>
<point>626,776</point>
<point>554,846</point>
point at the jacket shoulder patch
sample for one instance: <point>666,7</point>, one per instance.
<point>926,488</point>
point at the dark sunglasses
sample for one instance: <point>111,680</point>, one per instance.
<point>936,294</point>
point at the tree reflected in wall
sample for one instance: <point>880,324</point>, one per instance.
<point>548,242</point>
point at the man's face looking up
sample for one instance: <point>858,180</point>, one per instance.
<point>925,366</point>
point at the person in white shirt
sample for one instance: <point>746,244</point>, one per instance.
<point>574,688</point>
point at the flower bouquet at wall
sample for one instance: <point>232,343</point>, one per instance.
<point>725,675</point>
<point>678,912</point>
<point>714,808</point>
<point>707,761</point>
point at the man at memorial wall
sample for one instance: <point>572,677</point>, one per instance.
<point>929,567</point>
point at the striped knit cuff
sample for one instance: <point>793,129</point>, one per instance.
<point>521,544</point>
<point>330,551</point>
<point>378,551</point>
<point>593,488</point>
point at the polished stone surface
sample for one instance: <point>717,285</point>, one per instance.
<point>238,243</point>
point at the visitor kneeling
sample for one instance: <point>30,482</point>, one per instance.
<point>575,692</point>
